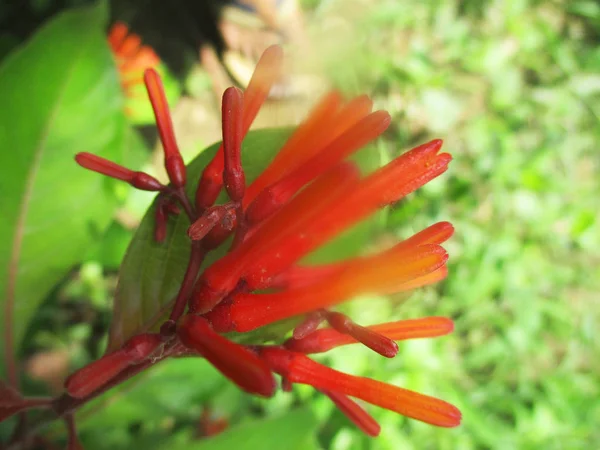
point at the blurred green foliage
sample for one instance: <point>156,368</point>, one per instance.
<point>513,87</point>
<point>50,210</point>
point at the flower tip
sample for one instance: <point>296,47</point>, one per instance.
<point>444,159</point>
<point>453,417</point>
<point>447,325</point>
<point>233,95</point>
<point>87,160</point>
<point>446,231</point>
<point>386,119</point>
<point>274,52</point>
<point>444,257</point>
<point>79,157</point>
<point>438,413</point>
<point>390,351</point>
<point>150,75</point>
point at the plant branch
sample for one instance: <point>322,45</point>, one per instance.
<point>65,405</point>
<point>196,258</point>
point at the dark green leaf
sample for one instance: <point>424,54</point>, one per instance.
<point>60,95</point>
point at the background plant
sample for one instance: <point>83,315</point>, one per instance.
<point>513,88</point>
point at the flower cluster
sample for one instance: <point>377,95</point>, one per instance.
<point>132,57</point>
<point>309,194</point>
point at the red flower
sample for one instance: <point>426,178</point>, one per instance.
<point>308,195</point>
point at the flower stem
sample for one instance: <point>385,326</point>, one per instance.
<point>196,258</point>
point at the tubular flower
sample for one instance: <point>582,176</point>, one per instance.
<point>309,194</point>
<point>132,57</point>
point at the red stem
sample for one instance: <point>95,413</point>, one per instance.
<point>196,258</point>
<point>183,199</point>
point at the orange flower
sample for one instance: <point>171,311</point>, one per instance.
<point>132,57</point>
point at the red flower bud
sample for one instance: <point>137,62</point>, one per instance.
<point>173,160</point>
<point>139,180</point>
<point>145,182</point>
<point>92,377</point>
<point>268,70</point>
<point>375,341</point>
<point>141,347</point>
<point>233,173</point>
<point>328,338</point>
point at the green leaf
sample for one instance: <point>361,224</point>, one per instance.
<point>60,95</point>
<point>293,431</point>
<point>151,273</point>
